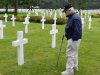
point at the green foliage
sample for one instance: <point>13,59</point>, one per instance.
<point>93,4</point>
<point>95,15</point>
<point>7,12</point>
<point>78,4</point>
<point>19,18</point>
<point>61,21</point>
<point>52,4</point>
<point>49,21</point>
<point>37,19</point>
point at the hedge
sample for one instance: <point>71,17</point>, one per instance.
<point>37,19</point>
<point>95,15</point>
<point>3,12</point>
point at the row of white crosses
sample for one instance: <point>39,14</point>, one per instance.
<point>89,19</point>
<point>85,13</point>
<point>2,26</point>
<point>20,41</point>
<point>13,19</point>
<point>53,32</point>
<point>47,10</point>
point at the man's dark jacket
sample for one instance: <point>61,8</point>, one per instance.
<point>73,29</point>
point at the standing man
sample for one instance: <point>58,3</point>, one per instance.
<point>73,33</point>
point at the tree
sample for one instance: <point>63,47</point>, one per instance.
<point>78,4</point>
<point>5,3</point>
<point>15,7</point>
<point>50,4</point>
<point>29,3</point>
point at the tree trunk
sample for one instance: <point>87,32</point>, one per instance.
<point>6,8</point>
<point>15,7</point>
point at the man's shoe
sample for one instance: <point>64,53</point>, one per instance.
<point>67,72</point>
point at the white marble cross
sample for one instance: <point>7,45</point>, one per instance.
<point>36,12</point>
<point>43,20</point>
<point>1,29</point>
<point>82,23</point>
<point>28,16</point>
<point>90,19</point>
<point>53,33</point>
<point>81,13</point>
<point>88,13</point>
<point>60,14</point>
<point>13,20</point>
<point>44,14</point>
<point>26,24</point>
<point>5,17</point>
<point>85,14</point>
<point>77,11</point>
<point>29,13</point>
<point>20,44</point>
<point>50,13</point>
<point>55,17</point>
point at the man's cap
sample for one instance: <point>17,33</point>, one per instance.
<point>66,7</point>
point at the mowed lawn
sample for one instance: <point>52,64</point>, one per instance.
<point>40,58</point>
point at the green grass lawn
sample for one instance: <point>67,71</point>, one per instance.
<point>40,58</point>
